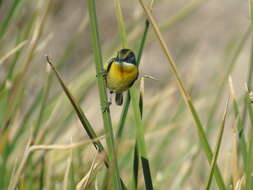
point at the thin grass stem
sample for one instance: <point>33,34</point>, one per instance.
<point>113,164</point>
<point>217,149</point>
<point>202,137</point>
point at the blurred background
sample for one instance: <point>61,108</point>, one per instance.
<point>209,40</point>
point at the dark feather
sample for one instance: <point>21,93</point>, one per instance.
<point>109,65</point>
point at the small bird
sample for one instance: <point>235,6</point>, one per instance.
<point>121,73</point>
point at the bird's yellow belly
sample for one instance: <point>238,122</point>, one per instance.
<point>120,77</point>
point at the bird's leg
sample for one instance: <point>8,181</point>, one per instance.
<point>108,103</point>
<point>110,97</point>
<point>106,107</point>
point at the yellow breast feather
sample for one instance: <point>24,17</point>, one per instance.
<point>121,75</point>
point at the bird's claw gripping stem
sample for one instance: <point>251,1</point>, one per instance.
<point>102,73</point>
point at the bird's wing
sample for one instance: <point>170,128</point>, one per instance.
<point>108,65</point>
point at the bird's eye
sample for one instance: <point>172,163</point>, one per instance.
<point>131,59</point>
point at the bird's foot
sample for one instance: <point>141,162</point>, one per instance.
<point>102,73</point>
<point>106,106</point>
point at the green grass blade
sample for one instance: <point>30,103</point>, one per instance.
<point>251,11</point>
<point>44,99</point>
<point>121,25</point>
<point>127,99</point>
<point>217,149</point>
<point>24,35</point>
<point>103,96</point>
<point>240,127</point>
<point>202,137</point>
<point>8,17</point>
<point>136,152</point>
<point>140,139</point>
<point>231,66</point>
<point>135,168</point>
<point>86,124</point>
<point>249,167</point>
<point>123,115</point>
<point>248,106</point>
<point>141,146</point>
<point>19,83</point>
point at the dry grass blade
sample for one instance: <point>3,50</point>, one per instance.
<point>66,175</point>
<point>14,182</point>
<point>33,148</point>
<point>13,51</point>
<point>64,147</point>
<point>13,173</point>
<point>239,124</point>
<point>203,140</point>
<point>84,183</point>
<point>240,183</point>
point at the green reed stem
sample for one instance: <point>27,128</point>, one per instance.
<point>113,164</point>
<point>217,149</point>
<point>128,98</point>
<point>200,130</point>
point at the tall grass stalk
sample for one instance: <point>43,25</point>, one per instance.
<point>113,164</point>
<point>248,107</point>
<point>127,99</point>
<point>239,124</point>
<point>140,140</point>
<point>8,17</point>
<point>67,172</point>
<point>136,152</point>
<point>231,65</point>
<point>217,148</point>
<point>202,137</point>
<point>250,73</point>
<point>183,13</point>
<point>122,29</point>
<point>249,166</point>
<point>250,69</point>
<point>139,55</point>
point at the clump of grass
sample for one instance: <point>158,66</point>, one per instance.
<point>113,163</point>
<point>186,96</point>
<point>36,118</point>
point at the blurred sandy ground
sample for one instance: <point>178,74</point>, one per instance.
<point>197,42</point>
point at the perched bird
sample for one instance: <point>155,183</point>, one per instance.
<point>121,73</point>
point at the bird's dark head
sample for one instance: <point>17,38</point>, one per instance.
<point>126,55</point>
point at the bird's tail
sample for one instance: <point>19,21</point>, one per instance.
<point>119,99</point>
